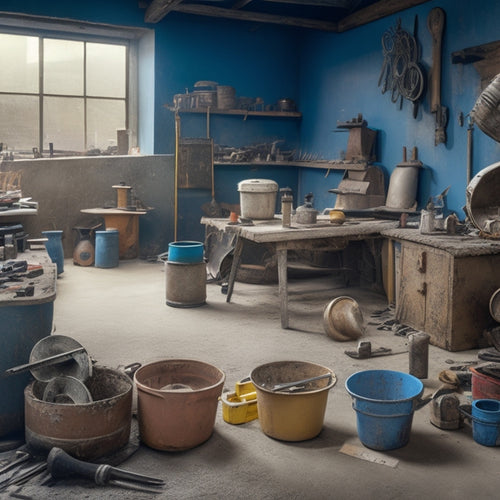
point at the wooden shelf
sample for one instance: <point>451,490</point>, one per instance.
<point>238,112</point>
<point>326,164</point>
<point>485,58</point>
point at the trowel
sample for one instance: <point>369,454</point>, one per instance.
<point>364,351</point>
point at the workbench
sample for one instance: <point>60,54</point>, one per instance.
<point>127,223</point>
<point>445,283</point>
<point>320,236</point>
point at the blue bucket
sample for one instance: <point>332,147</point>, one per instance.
<point>107,250</point>
<point>486,421</point>
<point>384,402</point>
<point>54,248</point>
<point>189,252</point>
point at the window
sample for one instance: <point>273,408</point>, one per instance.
<point>62,95</point>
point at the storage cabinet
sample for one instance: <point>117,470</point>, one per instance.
<point>445,285</point>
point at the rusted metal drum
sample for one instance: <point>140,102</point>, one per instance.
<point>485,111</point>
<point>482,200</point>
<point>87,431</point>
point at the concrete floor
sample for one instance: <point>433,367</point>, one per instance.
<point>120,316</point>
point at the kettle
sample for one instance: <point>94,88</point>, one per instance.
<point>306,214</point>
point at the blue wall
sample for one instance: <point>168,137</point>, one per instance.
<point>339,79</point>
<point>258,61</point>
<point>330,76</point>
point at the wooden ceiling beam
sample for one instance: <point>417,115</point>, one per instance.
<point>158,9</point>
<point>240,3</point>
<point>341,4</point>
<point>205,10</point>
<point>376,11</point>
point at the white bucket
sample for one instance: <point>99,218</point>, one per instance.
<point>258,198</point>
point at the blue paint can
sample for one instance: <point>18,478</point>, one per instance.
<point>107,250</point>
<point>54,248</point>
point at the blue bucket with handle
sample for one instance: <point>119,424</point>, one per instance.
<point>384,402</point>
<point>486,422</point>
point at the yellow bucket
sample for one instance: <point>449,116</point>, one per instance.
<point>296,412</point>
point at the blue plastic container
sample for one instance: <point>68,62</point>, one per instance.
<point>486,421</point>
<point>384,402</point>
<point>107,250</point>
<point>55,249</point>
<point>21,327</point>
<point>185,251</point>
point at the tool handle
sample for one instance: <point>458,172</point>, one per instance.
<point>61,465</point>
<point>49,361</point>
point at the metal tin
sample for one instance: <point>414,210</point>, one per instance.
<point>258,198</point>
<point>418,349</point>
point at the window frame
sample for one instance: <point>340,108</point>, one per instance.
<point>65,29</point>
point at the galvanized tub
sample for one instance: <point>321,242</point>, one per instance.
<point>87,431</point>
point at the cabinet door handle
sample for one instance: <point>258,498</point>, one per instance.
<point>422,262</point>
<point>423,289</point>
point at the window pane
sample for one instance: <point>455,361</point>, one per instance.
<point>19,122</point>
<point>104,117</point>
<point>106,70</point>
<point>19,56</point>
<point>62,67</point>
<point>63,123</point>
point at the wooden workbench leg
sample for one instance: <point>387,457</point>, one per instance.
<point>283,285</point>
<point>234,267</point>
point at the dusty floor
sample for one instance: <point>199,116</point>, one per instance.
<point>120,316</point>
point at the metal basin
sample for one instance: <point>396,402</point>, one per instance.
<point>86,431</point>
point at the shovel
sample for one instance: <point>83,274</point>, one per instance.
<point>212,209</point>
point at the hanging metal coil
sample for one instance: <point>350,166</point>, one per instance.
<point>401,74</point>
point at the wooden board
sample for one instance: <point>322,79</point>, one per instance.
<point>194,163</point>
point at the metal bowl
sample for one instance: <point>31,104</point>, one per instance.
<point>80,366</point>
<point>66,390</point>
<point>343,319</point>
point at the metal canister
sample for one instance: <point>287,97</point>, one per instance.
<point>418,349</point>
<point>286,206</point>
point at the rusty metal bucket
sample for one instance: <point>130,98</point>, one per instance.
<point>87,431</point>
<point>177,402</point>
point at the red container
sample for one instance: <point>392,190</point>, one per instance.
<point>484,386</point>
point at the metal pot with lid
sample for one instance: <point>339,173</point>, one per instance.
<point>306,214</point>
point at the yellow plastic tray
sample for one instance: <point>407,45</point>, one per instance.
<point>236,410</point>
